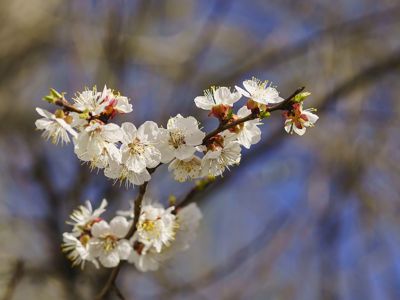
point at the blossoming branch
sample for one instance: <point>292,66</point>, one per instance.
<point>148,234</point>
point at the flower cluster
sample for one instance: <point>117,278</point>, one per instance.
<point>160,234</point>
<point>130,154</point>
<point>127,153</point>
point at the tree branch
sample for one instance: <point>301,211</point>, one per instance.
<point>285,104</point>
<point>114,273</point>
<point>67,106</point>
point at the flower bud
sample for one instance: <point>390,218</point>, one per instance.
<point>221,111</point>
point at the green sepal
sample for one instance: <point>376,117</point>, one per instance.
<point>301,97</point>
<point>264,114</point>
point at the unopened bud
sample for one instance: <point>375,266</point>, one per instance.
<point>172,200</point>
<point>53,96</point>
<point>221,111</point>
<point>56,94</point>
<point>59,114</point>
<point>68,119</point>
<point>85,115</point>
<point>264,114</point>
<point>301,97</point>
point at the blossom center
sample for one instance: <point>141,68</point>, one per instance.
<point>176,138</point>
<point>109,243</point>
<point>84,239</point>
<point>136,147</point>
<point>149,226</point>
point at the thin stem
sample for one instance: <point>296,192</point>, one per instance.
<point>137,208</point>
<point>67,106</point>
<point>192,193</point>
<point>118,292</point>
<point>110,282</point>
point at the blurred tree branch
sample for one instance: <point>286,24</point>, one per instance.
<point>16,277</point>
<point>267,58</point>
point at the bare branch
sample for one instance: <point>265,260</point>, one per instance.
<point>17,275</point>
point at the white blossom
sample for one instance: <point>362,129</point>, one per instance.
<point>298,119</point>
<point>89,100</point>
<point>138,150</point>
<point>114,102</point>
<point>105,102</point>
<point>84,217</point>
<point>109,243</point>
<point>119,171</point>
<point>55,127</point>
<point>78,249</point>
<point>185,169</point>
<point>259,91</point>
<point>161,233</point>
<point>217,96</point>
<point>97,144</point>
<point>247,133</point>
<point>180,138</point>
<point>222,154</point>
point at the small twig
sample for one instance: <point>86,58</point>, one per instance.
<point>67,106</point>
<point>285,104</point>
<point>118,292</point>
<point>114,273</point>
<point>137,209</point>
<point>192,193</point>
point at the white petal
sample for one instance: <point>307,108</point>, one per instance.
<point>167,154</point>
<point>129,132</point>
<point>43,124</point>
<point>123,105</point>
<point>242,91</point>
<point>119,226</point>
<point>112,133</point>
<point>110,260</point>
<point>152,156</point>
<point>185,152</point>
<point>251,86</point>
<point>204,102</point>
<point>148,132</point>
<point>124,249</point>
<point>223,95</point>
<point>44,113</point>
<point>135,163</point>
<point>311,117</point>
<point>100,228</point>
<point>195,138</point>
<point>299,131</point>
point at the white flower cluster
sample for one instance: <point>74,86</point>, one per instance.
<point>130,154</point>
<point>160,234</point>
<point>127,153</point>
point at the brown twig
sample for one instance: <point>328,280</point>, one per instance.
<point>114,273</point>
<point>279,106</point>
<point>67,106</point>
<point>118,292</point>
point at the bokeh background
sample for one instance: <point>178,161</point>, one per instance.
<point>313,217</point>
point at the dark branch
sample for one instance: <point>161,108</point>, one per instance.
<point>285,104</point>
<point>114,273</point>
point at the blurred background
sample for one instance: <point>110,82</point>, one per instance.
<point>314,217</point>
